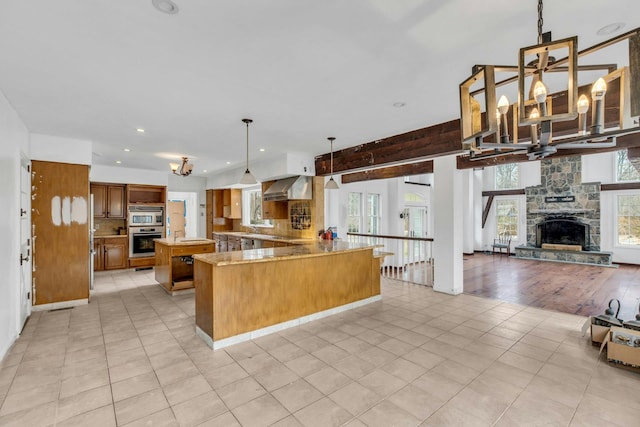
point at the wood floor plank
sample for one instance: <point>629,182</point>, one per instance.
<point>570,288</point>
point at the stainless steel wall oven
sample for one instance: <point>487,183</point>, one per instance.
<point>141,241</point>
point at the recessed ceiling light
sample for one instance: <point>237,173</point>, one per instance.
<point>126,150</point>
<point>262,149</point>
<point>610,29</point>
<point>140,130</point>
<point>118,162</point>
<point>204,170</point>
<point>165,6</point>
<point>228,163</point>
<point>399,104</point>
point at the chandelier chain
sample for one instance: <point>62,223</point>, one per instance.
<point>540,21</point>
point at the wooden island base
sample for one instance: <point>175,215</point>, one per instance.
<point>173,262</point>
<point>246,294</point>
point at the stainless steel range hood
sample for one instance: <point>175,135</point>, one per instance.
<point>293,188</point>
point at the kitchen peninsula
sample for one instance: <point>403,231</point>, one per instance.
<point>242,295</point>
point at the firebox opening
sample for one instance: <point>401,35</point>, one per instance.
<point>564,230</point>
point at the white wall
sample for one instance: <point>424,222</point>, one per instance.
<point>120,175</point>
<point>267,169</point>
<point>62,150</point>
<point>14,140</point>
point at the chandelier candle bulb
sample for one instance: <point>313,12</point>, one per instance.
<point>535,114</point>
<point>598,91</point>
<point>503,108</point>
<point>583,107</point>
<point>540,95</point>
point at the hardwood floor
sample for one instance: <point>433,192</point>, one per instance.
<point>569,288</point>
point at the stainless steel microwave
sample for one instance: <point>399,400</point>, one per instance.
<point>143,216</point>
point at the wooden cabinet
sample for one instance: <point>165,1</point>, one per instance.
<point>216,221</point>
<point>108,200</point>
<point>232,203</point>
<point>98,255</point>
<point>174,262</point>
<point>110,253</point>
<point>146,194</point>
<point>273,210</point>
<point>115,253</point>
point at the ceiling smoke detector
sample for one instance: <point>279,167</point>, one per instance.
<point>166,6</point>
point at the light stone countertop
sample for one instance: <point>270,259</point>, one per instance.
<point>314,249</point>
<point>268,237</point>
<point>184,241</point>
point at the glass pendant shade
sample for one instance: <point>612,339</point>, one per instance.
<point>248,178</point>
<point>331,184</point>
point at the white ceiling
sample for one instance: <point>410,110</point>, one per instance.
<point>302,70</point>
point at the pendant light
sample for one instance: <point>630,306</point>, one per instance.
<point>247,178</point>
<point>331,184</point>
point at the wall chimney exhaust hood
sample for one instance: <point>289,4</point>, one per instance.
<point>293,188</point>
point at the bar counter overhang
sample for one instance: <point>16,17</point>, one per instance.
<point>243,295</point>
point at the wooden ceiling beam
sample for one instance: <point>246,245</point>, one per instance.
<point>438,140</point>
<point>389,172</point>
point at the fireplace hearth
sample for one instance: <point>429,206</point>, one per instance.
<point>563,230</point>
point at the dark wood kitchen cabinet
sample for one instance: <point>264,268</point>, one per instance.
<point>110,253</point>
<point>108,200</point>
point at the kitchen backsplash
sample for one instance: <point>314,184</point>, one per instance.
<point>109,227</point>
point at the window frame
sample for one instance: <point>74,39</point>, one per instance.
<point>349,210</point>
<point>516,202</point>
<point>616,160</point>
<point>616,233</point>
<point>246,208</point>
<point>378,213</point>
<point>495,176</point>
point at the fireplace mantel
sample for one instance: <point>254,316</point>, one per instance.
<point>560,212</point>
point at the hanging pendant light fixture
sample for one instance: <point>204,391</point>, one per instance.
<point>183,169</point>
<point>247,178</point>
<point>331,184</point>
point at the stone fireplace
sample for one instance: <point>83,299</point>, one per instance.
<point>563,211</point>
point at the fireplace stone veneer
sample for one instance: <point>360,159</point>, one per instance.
<point>562,195</point>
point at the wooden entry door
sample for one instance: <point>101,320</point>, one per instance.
<point>60,232</point>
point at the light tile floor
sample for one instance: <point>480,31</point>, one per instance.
<point>418,357</point>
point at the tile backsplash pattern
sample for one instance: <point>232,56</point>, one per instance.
<point>109,227</point>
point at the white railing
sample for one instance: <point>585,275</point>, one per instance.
<point>407,258</point>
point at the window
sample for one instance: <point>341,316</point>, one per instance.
<point>625,171</point>
<point>507,176</point>
<point>629,219</point>
<point>373,217</point>
<point>507,217</point>
<point>354,215</point>
<point>252,208</point>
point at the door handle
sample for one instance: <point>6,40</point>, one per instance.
<point>24,259</point>
<point>22,212</point>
